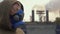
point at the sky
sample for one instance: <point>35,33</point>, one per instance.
<point>1,0</point>
<point>53,5</point>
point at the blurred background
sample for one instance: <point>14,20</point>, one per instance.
<point>41,16</point>
<point>52,6</point>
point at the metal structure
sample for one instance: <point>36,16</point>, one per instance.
<point>47,16</point>
<point>40,13</point>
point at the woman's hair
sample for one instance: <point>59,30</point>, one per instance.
<point>4,14</point>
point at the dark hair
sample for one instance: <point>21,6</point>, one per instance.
<point>22,7</point>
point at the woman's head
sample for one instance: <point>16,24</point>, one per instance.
<point>7,8</point>
<point>15,7</point>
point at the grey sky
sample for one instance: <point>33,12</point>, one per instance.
<point>53,5</point>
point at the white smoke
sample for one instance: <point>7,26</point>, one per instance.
<point>53,5</point>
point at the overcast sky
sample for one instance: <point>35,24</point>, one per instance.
<point>53,5</point>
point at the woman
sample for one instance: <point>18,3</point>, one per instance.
<point>11,17</point>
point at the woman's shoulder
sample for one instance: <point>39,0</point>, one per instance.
<point>18,31</point>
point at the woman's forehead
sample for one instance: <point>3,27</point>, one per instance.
<point>17,3</point>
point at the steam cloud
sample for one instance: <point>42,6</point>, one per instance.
<point>53,5</point>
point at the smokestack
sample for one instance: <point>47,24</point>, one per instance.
<point>32,15</point>
<point>47,16</point>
